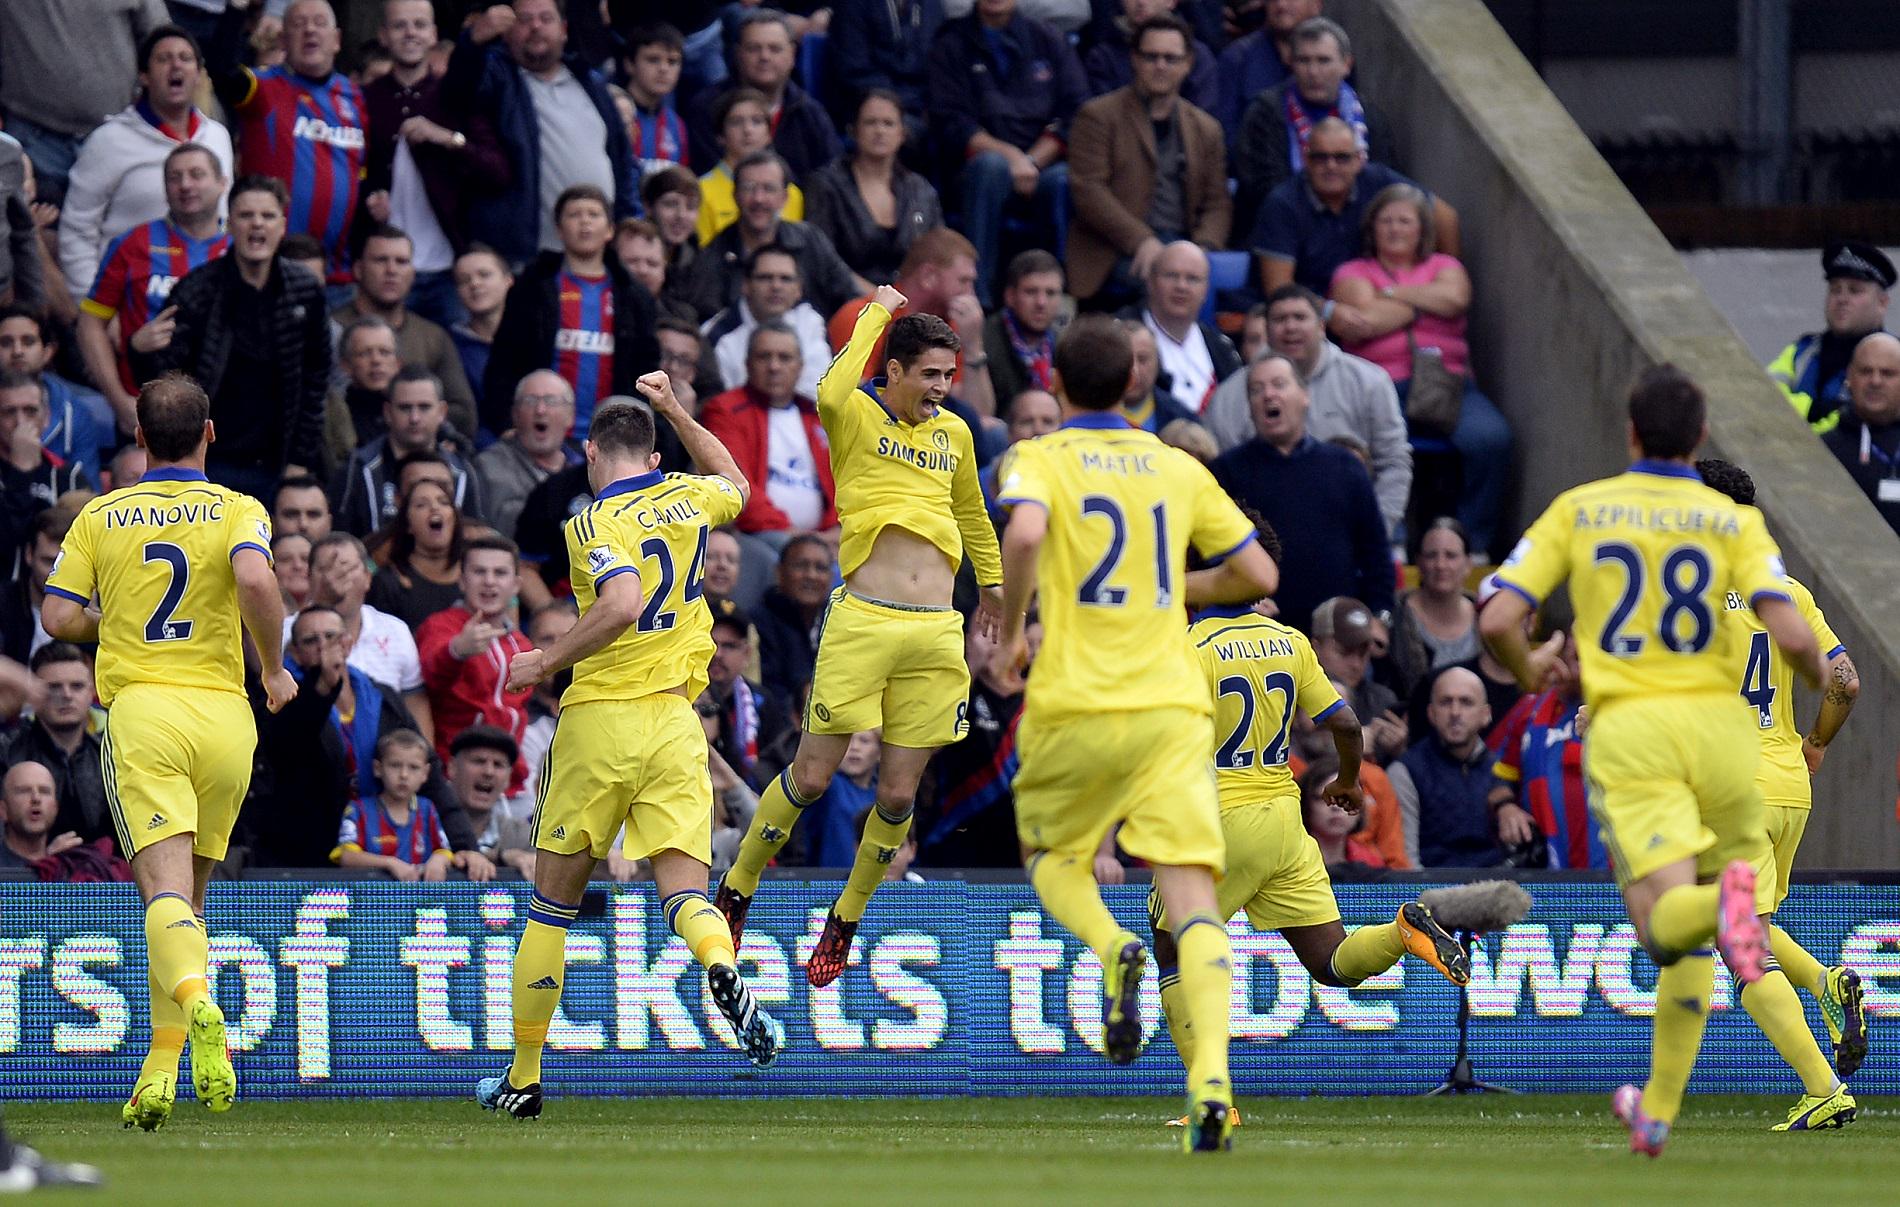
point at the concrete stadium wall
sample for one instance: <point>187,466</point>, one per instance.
<point>1576,291</point>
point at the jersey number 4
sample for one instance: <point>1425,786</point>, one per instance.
<point>655,617</point>
<point>1682,598</point>
<point>1096,590</point>
<point>163,626</point>
<point>1758,679</point>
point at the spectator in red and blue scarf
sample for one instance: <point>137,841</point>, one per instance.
<point>1020,338</point>
<point>304,123</point>
<point>1539,768</point>
<point>577,311</point>
<point>652,66</point>
<point>143,264</point>
<point>397,831</point>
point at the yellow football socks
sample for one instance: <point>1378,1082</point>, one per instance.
<point>1367,952</point>
<point>1802,968</point>
<point>1771,1002</point>
<point>1682,1009</point>
<point>779,810</point>
<point>1066,885</point>
<point>168,1032</point>
<point>883,838</point>
<point>1207,974</point>
<point>1174,1009</point>
<point>704,928</point>
<point>1683,918</point>
<point>540,965</point>
<point>175,948</point>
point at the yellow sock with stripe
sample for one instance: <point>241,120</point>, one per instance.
<point>175,949</point>
<point>168,1032</point>
<point>1683,919</point>
<point>1207,978</point>
<point>704,928</point>
<point>1367,952</point>
<point>882,839</point>
<point>1772,1003</point>
<point>1066,885</point>
<point>1802,969</point>
<point>1174,1010</point>
<point>1682,1010</point>
<point>780,807</point>
<point>540,966</point>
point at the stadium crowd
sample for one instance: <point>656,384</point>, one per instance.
<point>409,247</point>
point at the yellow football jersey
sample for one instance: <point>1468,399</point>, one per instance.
<point>1260,671</point>
<point>653,525</point>
<point>921,478</point>
<point>158,556</point>
<point>1650,556</point>
<point>1767,684</point>
<point>1123,508</point>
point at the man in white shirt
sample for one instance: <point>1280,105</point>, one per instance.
<point>382,646</point>
<point>1194,355</point>
<point>772,290</point>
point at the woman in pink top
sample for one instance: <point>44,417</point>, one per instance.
<point>1401,286</point>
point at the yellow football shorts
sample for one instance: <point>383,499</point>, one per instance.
<point>889,665</point>
<point>634,763</point>
<point>177,760</point>
<point>1786,825</point>
<point>1673,778</point>
<point>1151,772</point>
<point>1274,869</point>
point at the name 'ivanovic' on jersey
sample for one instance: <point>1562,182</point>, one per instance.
<point>159,515</point>
<point>1657,519</point>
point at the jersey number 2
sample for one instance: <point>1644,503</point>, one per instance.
<point>1758,679</point>
<point>163,626</point>
<point>654,617</point>
<point>1096,591</point>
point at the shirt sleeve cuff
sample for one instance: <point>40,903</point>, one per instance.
<point>617,570</point>
<point>1507,585</point>
<point>98,310</point>
<point>63,593</point>
<point>250,545</point>
<point>1335,707</point>
<point>1758,596</point>
<point>1836,652</point>
<point>1218,558</point>
<point>1019,501</point>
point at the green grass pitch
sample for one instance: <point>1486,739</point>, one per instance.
<point>1533,1151</point>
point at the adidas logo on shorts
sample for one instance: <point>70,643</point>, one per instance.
<point>546,982</point>
<point>559,832</point>
<point>158,819</point>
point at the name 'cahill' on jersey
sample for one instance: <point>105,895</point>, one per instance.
<point>1767,686</point>
<point>1261,672</point>
<point>653,525</point>
<point>158,556</point>
<point>1111,575</point>
<point>1651,556</point>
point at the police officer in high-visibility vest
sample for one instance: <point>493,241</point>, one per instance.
<point>1812,371</point>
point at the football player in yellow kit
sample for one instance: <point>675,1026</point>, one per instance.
<point>890,646</point>
<point>1650,556</point>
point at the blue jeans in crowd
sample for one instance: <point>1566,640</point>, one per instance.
<point>433,297</point>
<point>987,193</point>
<point>1483,441</point>
<point>52,154</point>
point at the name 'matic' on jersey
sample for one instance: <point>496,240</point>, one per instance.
<point>1767,686</point>
<point>653,525</point>
<point>1123,508</point>
<point>158,556</point>
<point>1651,557</point>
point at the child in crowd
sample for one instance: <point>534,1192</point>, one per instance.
<point>398,832</point>
<point>744,120</point>
<point>1334,829</point>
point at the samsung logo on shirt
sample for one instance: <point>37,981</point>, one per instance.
<point>315,129</point>
<point>922,458</point>
<point>573,339</point>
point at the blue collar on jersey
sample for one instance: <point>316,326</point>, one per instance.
<point>1224,611</point>
<point>174,474</point>
<point>1111,420</point>
<point>875,388</point>
<point>627,485</point>
<point>1665,469</point>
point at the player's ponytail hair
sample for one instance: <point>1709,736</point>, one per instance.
<point>172,412</point>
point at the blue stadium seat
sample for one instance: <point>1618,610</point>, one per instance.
<point>1225,270</point>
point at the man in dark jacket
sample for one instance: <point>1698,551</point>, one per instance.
<point>1444,783</point>
<point>415,422</point>
<point>882,44</point>
<point>60,739</point>
<point>578,312</point>
<point>788,615</point>
<point>253,330</point>
<point>315,763</point>
<point>718,271</point>
<point>31,477</point>
<point>1002,91</point>
<point>512,66</point>
<point>764,56</point>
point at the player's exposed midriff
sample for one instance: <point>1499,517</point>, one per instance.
<point>904,568</point>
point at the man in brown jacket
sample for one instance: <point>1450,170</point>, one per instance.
<point>1145,168</point>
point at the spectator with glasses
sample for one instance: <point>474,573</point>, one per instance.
<point>536,445</point>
